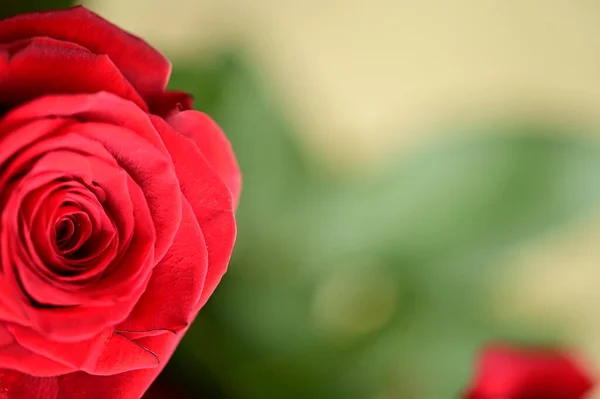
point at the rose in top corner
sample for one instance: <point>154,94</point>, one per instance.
<point>116,209</point>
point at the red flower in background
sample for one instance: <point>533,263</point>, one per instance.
<point>116,209</point>
<point>506,372</point>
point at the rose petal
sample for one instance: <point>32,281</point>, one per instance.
<point>15,140</point>
<point>128,385</point>
<point>73,354</point>
<point>41,66</point>
<point>170,299</point>
<point>16,385</point>
<point>5,337</point>
<point>65,324</point>
<point>210,200</point>
<point>12,307</point>
<point>213,143</point>
<point>108,353</point>
<point>15,357</point>
<point>146,69</point>
<point>505,371</point>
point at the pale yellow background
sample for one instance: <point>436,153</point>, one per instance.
<point>362,77</point>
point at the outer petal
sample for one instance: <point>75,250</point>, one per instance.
<point>15,357</point>
<point>146,69</point>
<point>210,200</point>
<point>16,385</point>
<point>41,66</point>
<point>107,354</point>
<point>129,385</point>
<point>213,143</point>
<point>79,385</point>
<point>170,299</point>
<point>73,355</point>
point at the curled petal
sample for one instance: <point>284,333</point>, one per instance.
<point>41,66</point>
<point>146,69</point>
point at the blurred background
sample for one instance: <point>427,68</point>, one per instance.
<point>420,177</point>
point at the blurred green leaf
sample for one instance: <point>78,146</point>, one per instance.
<point>369,288</point>
<point>462,198</point>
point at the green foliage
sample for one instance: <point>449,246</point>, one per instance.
<point>369,288</point>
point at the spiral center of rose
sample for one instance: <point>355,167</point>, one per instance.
<point>71,236</point>
<point>71,232</point>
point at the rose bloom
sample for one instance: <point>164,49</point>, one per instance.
<point>116,209</point>
<point>506,372</point>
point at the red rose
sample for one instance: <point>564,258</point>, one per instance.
<point>514,373</point>
<point>116,209</point>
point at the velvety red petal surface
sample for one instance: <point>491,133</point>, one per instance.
<point>15,385</point>
<point>213,144</point>
<point>130,385</point>
<point>210,199</point>
<point>145,68</point>
<point>40,66</point>
<point>509,372</point>
<point>170,299</point>
<point>14,356</point>
<point>80,385</point>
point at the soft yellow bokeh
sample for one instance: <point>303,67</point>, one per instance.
<point>362,77</point>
